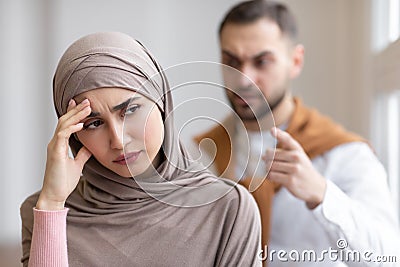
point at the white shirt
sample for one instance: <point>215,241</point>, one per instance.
<point>357,211</point>
<point>249,154</point>
<point>357,214</point>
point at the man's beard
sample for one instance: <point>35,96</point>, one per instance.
<point>257,113</point>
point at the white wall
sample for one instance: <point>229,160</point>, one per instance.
<point>24,105</point>
<point>34,34</point>
<point>336,78</point>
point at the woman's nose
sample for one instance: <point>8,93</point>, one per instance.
<point>116,136</point>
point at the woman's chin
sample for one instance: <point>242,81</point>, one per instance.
<point>134,170</point>
<point>123,172</point>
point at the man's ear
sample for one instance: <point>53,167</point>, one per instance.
<point>297,61</point>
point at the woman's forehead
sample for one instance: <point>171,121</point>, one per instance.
<point>109,93</point>
<point>112,99</point>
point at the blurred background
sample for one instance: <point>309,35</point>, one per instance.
<point>352,73</point>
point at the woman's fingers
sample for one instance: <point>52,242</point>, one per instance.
<point>74,110</point>
<point>71,105</point>
<point>74,116</point>
<point>66,133</point>
<point>79,116</point>
<point>62,137</point>
<point>68,124</point>
<point>83,156</point>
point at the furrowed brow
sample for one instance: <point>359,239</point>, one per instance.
<point>124,104</point>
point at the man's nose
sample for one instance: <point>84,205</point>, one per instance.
<point>246,76</point>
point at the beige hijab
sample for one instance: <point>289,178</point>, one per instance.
<point>180,216</point>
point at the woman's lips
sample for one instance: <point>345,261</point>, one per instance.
<point>127,158</point>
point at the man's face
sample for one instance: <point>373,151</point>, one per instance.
<point>265,62</point>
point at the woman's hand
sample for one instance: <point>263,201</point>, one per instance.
<point>62,172</point>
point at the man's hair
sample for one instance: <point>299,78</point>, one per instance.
<point>251,11</point>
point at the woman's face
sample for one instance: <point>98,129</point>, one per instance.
<point>106,137</point>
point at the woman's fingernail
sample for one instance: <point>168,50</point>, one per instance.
<point>85,101</point>
<point>70,102</point>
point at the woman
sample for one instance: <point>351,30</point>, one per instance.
<point>130,196</point>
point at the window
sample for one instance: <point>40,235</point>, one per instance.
<point>386,117</point>
<point>394,20</point>
<point>387,143</point>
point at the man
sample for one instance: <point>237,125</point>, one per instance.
<point>324,189</point>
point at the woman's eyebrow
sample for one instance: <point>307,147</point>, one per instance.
<point>117,107</point>
<point>93,114</point>
<point>124,104</point>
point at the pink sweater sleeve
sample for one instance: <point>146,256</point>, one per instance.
<point>49,239</point>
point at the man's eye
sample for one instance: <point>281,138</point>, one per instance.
<point>92,124</point>
<point>131,109</point>
<point>232,63</point>
<point>259,63</point>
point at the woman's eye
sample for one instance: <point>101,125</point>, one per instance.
<point>92,124</point>
<point>131,109</point>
